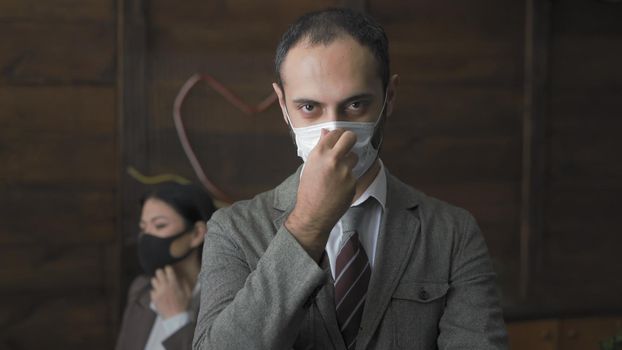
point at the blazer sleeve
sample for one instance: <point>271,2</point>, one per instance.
<point>254,309</point>
<point>472,318</point>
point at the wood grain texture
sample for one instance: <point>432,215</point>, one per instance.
<point>56,268</point>
<point>56,213</point>
<point>58,10</point>
<point>58,109</point>
<point>33,52</point>
<point>70,321</point>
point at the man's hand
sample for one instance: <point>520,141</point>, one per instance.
<point>325,192</point>
<point>169,295</point>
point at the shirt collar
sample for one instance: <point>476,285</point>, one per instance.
<point>377,189</point>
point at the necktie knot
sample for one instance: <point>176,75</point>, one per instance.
<point>352,217</point>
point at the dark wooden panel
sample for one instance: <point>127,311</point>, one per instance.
<point>586,156</point>
<point>55,267</point>
<point>446,159</point>
<point>450,110</point>
<point>56,213</point>
<point>205,27</point>
<point>57,10</point>
<point>39,321</point>
<point>84,159</point>
<point>67,109</point>
<point>38,53</point>
<point>446,42</point>
<point>598,56</point>
<point>165,12</point>
<point>477,19</point>
<point>588,34</point>
<point>574,215</point>
<point>588,108</point>
<point>587,17</point>
<point>454,62</point>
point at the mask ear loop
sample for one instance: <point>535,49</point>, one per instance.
<point>292,134</point>
<point>378,137</point>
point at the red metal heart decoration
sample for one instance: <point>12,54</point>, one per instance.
<point>235,100</point>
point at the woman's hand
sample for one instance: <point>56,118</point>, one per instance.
<point>169,295</point>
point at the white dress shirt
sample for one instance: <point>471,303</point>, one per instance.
<point>368,228</point>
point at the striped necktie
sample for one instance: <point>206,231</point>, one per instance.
<point>352,271</point>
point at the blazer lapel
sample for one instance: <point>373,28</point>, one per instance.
<point>395,244</point>
<point>325,302</point>
<point>144,318</point>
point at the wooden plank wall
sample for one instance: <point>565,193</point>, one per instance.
<point>58,268</point>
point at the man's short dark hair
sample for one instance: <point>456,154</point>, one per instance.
<point>323,27</point>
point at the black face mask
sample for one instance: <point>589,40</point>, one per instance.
<point>155,252</point>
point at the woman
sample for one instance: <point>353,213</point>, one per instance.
<point>162,304</point>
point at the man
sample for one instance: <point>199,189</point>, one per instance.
<point>291,268</point>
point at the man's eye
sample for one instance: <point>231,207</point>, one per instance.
<point>307,108</point>
<point>160,226</point>
<point>357,107</point>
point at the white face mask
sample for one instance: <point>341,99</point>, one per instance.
<point>308,137</point>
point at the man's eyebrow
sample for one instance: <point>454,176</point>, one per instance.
<point>305,101</point>
<point>362,96</point>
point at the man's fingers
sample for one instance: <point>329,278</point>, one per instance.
<point>154,283</point>
<point>330,138</point>
<point>351,159</point>
<point>344,144</point>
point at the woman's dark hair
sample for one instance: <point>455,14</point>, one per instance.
<point>323,27</point>
<point>189,201</point>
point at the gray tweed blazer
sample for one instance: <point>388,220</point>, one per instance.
<point>432,286</point>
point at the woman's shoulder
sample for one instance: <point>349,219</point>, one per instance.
<point>139,285</point>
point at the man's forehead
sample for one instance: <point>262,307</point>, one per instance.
<point>342,64</point>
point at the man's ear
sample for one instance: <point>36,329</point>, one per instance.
<point>281,96</point>
<point>392,93</point>
<point>198,234</point>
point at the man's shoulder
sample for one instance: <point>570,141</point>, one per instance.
<point>261,208</point>
<point>256,207</point>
